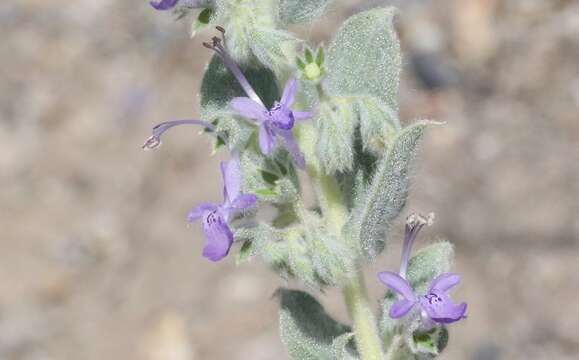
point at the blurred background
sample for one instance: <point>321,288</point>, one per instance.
<point>96,261</point>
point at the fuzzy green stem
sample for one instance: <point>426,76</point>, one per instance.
<point>326,187</point>
<point>393,350</point>
<point>365,329</point>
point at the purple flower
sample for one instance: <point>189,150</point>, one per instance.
<point>435,306</point>
<point>274,124</point>
<point>215,217</point>
<point>164,4</point>
<point>170,4</point>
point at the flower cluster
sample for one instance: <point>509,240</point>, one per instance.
<point>274,124</point>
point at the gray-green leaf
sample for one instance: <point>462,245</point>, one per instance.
<point>336,122</point>
<point>306,329</point>
<point>387,193</point>
<point>364,58</point>
<point>342,347</point>
<point>299,11</point>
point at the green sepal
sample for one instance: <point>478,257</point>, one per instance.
<point>364,58</point>
<point>305,327</point>
<point>201,21</point>
<point>308,55</point>
<point>320,56</point>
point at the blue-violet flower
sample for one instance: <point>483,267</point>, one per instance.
<point>274,123</point>
<point>435,306</point>
<point>170,4</point>
<point>216,217</point>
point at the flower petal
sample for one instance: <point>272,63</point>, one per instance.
<point>444,282</point>
<point>292,146</point>
<point>401,308</point>
<point>219,237</point>
<point>198,211</point>
<point>398,284</point>
<point>302,115</point>
<point>289,92</point>
<point>248,108</point>
<point>282,117</point>
<point>164,4</point>
<point>441,309</point>
<point>244,202</point>
<point>231,172</point>
<point>266,139</point>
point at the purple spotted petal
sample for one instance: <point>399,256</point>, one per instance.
<point>164,4</point>
<point>441,309</point>
<point>244,202</point>
<point>401,308</point>
<point>289,92</point>
<point>219,237</point>
<point>266,139</point>
<point>302,115</point>
<point>231,172</point>
<point>248,108</point>
<point>292,146</point>
<point>198,212</point>
<point>444,282</point>
<point>396,283</point>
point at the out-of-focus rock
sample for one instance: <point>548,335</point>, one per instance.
<point>168,340</point>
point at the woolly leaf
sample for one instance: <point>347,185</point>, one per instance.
<point>388,326</point>
<point>336,123</point>
<point>386,195</point>
<point>300,262</point>
<point>428,263</point>
<point>268,46</point>
<point>306,329</point>
<point>364,58</point>
<point>298,11</point>
<point>219,86</point>
<point>342,347</point>
<point>378,124</point>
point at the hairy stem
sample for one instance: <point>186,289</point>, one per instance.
<point>365,329</point>
<point>393,349</point>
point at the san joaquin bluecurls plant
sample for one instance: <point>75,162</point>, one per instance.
<point>332,113</point>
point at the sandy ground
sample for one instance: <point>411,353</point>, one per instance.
<point>96,261</point>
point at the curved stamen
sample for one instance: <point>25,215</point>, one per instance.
<point>154,141</point>
<point>221,51</point>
